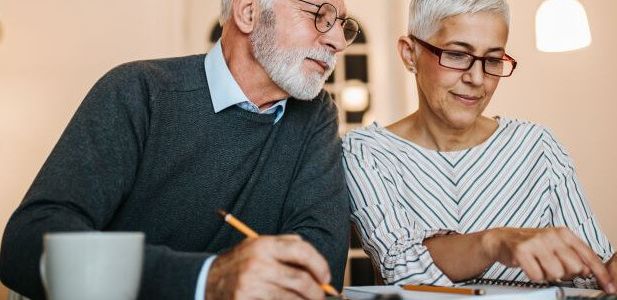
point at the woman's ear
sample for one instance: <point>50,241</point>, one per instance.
<point>407,52</point>
<point>244,14</point>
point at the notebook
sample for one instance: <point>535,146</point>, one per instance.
<point>583,282</point>
<point>493,292</point>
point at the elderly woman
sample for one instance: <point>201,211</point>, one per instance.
<point>447,194</point>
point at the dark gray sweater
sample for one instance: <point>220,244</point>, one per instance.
<point>145,152</point>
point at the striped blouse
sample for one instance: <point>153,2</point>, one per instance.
<point>403,193</point>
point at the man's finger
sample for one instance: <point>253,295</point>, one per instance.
<point>302,254</point>
<point>297,281</point>
<point>260,288</point>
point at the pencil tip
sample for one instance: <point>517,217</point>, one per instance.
<point>222,213</point>
<point>330,290</point>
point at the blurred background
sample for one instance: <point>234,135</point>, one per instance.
<point>53,51</point>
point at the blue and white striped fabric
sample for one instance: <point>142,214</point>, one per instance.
<point>403,193</point>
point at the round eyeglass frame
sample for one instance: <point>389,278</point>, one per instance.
<point>353,31</point>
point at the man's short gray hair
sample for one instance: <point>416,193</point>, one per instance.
<point>226,9</point>
<point>425,16</point>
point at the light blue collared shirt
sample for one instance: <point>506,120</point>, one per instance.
<point>225,92</point>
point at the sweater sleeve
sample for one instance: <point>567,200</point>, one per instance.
<point>390,235</point>
<point>317,206</point>
<point>84,182</point>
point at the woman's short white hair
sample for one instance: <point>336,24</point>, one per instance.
<point>425,16</point>
<point>226,9</point>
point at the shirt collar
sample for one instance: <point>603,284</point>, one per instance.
<point>224,90</point>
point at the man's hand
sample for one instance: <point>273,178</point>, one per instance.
<point>268,267</point>
<point>547,254</point>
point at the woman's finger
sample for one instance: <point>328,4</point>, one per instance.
<point>528,263</point>
<point>572,262</point>
<point>551,264</point>
<point>591,260</point>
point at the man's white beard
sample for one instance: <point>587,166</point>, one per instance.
<point>285,66</point>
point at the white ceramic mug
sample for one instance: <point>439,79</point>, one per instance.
<point>92,265</point>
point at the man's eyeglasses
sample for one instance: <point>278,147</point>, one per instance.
<point>326,17</point>
<point>457,60</point>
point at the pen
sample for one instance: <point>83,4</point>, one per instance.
<point>238,225</point>
<point>443,289</point>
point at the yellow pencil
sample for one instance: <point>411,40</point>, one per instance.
<point>237,224</point>
<point>250,233</point>
<point>443,289</point>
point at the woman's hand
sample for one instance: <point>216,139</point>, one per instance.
<point>547,254</point>
<point>611,265</point>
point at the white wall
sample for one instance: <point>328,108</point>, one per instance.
<point>50,56</point>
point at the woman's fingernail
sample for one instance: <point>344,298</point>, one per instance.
<point>611,288</point>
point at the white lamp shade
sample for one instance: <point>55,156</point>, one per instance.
<point>355,97</point>
<point>561,25</point>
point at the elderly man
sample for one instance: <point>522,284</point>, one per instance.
<point>158,146</point>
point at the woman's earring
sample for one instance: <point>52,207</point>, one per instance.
<point>412,69</point>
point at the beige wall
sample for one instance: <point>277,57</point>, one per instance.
<point>50,56</point>
<point>572,93</point>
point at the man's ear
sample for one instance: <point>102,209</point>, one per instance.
<point>244,14</point>
<point>407,52</point>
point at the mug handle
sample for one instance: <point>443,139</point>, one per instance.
<point>43,269</point>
